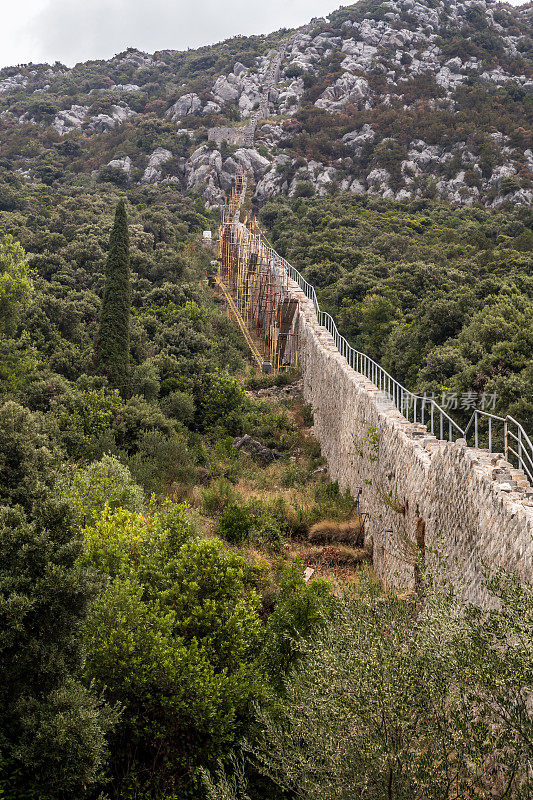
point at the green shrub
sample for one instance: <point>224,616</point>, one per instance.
<point>294,475</point>
<point>174,639</point>
<point>113,175</point>
<point>161,460</point>
<point>53,728</point>
<point>219,401</point>
<point>509,185</point>
<point>260,381</point>
<point>298,614</point>
<point>334,504</point>
<point>84,421</point>
<point>234,524</point>
<point>304,189</point>
<point>298,521</point>
<point>180,406</point>
<point>16,287</point>
<point>145,380</point>
<point>466,674</point>
<point>293,71</point>
<point>264,422</point>
<point>307,415</point>
<point>270,532</point>
<point>104,482</point>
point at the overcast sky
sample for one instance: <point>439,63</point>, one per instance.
<point>78,30</point>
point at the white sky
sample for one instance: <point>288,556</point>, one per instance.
<point>78,30</point>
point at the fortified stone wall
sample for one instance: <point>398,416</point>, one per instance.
<point>449,498</point>
<point>236,136</point>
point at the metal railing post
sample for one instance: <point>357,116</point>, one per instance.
<point>505,439</point>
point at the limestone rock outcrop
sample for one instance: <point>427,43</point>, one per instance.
<point>330,104</point>
<point>70,119</point>
<point>107,122</point>
<point>185,105</point>
<point>152,173</point>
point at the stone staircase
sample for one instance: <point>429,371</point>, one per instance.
<point>509,479</point>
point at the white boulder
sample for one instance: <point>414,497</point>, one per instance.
<point>186,104</point>
<point>70,119</point>
<point>346,89</point>
<point>152,173</point>
<point>125,164</point>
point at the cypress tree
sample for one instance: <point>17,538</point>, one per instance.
<point>113,342</point>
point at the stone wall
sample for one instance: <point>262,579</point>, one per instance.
<point>235,136</point>
<point>447,496</point>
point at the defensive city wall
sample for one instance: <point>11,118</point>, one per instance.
<point>460,506</point>
<point>463,509</point>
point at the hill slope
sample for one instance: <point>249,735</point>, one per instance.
<point>400,99</point>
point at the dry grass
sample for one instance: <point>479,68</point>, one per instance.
<point>334,532</point>
<point>334,549</point>
<point>334,555</point>
<point>266,483</point>
<point>341,566</point>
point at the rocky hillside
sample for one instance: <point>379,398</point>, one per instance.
<point>401,99</point>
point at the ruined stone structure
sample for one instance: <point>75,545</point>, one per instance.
<point>458,505</point>
<point>225,133</point>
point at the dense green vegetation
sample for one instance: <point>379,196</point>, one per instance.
<point>133,646</point>
<point>180,345</point>
<point>442,297</point>
<point>395,700</point>
<point>157,637</point>
<point>158,640</point>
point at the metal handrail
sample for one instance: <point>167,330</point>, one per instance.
<point>521,452</point>
<point>415,408</point>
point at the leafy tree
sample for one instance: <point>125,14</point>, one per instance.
<point>174,639</point>
<point>113,342</point>
<point>83,421</point>
<point>104,482</point>
<point>299,613</point>
<point>235,524</point>
<point>113,175</point>
<point>27,458</point>
<point>52,743</point>
<point>440,296</point>
<point>219,401</point>
<point>374,319</point>
<point>16,287</point>
<point>396,701</point>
